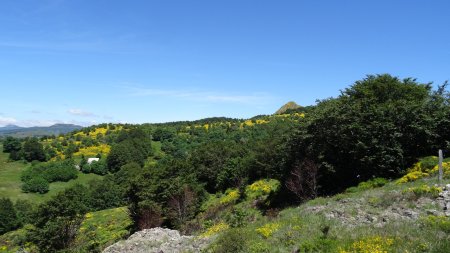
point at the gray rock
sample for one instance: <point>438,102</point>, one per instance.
<point>158,240</point>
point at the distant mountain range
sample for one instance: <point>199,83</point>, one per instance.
<point>17,131</point>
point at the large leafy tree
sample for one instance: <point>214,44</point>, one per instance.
<point>11,144</point>
<point>376,127</point>
<point>57,221</point>
<point>133,146</point>
<point>8,216</point>
<point>33,150</point>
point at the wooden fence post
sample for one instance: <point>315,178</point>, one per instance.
<point>441,171</point>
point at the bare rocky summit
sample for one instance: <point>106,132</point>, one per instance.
<point>288,106</point>
<point>158,240</point>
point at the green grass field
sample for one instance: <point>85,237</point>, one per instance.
<point>10,183</point>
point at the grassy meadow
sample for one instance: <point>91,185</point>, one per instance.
<point>10,183</point>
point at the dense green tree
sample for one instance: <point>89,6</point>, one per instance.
<point>104,194</point>
<point>133,146</point>
<point>57,221</point>
<point>375,128</point>
<point>24,209</point>
<point>99,167</point>
<point>84,166</point>
<point>211,159</point>
<point>33,150</point>
<point>161,134</point>
<point>11,144</point>
<point>8,216</point>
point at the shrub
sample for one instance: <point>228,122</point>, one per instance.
<point>99,168</point>
<point>370,184</point>
<point>232,241</point>
<point>60,171</point>
<point>412,176</point>
<point>215,229</point>
<point>424,168</point>
<point>36,184</point>
<point>438,222</point>
<point>371,244</point>
<point>37,177</point>
<point>230,197</point>
<point>262,188</point>
<point>268,229</point>
<point>238,217</point>
<point>424,190</point>
<point>373,183</point>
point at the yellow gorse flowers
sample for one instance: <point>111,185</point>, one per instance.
<point>268,229</point>
<point>375,244</point>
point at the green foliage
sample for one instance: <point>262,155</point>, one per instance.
<point>98,167</point>
<point>60,171</point>
<point>13,146</point>
<point>261,189</point>
<point>36,184</point>
<point>57,221</point>
<point>424,190</point>
<point>52,171</point>
<point>237,217</point>
<point>100,229</point>
<point>38,177</point>
<point>104,194</point>
<point>8,216</point>
<point>24,209</point>
<point>214,161</point>
<point>33,150</point>
<point>232,241</point>
<point>84,166</point>
<point>370,184</point>
<point>438,222</point>
<point>375,128</point>
<point>133,146</point>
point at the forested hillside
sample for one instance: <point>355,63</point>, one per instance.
<point>208,176</point>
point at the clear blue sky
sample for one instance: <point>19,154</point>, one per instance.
<point>88,61</point>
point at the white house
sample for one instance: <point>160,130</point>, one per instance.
<point>90,160</point>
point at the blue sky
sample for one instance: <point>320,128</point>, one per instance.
<point>89,62</point>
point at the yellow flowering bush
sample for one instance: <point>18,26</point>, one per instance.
<point>445,167</point>
<point>424,168</point>
<point>94,150</point>
<point>222,226</point>
<point>268,229</point>
<point>412,176</point>
<point>424,190</point>
<point>230,196</point>
<point>375,244</point>
<point>261,121</point>
<point>261,188</point>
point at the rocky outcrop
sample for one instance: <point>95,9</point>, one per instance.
<point>444,200</point>
<point>158,240</point>
<point>380,207</point>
